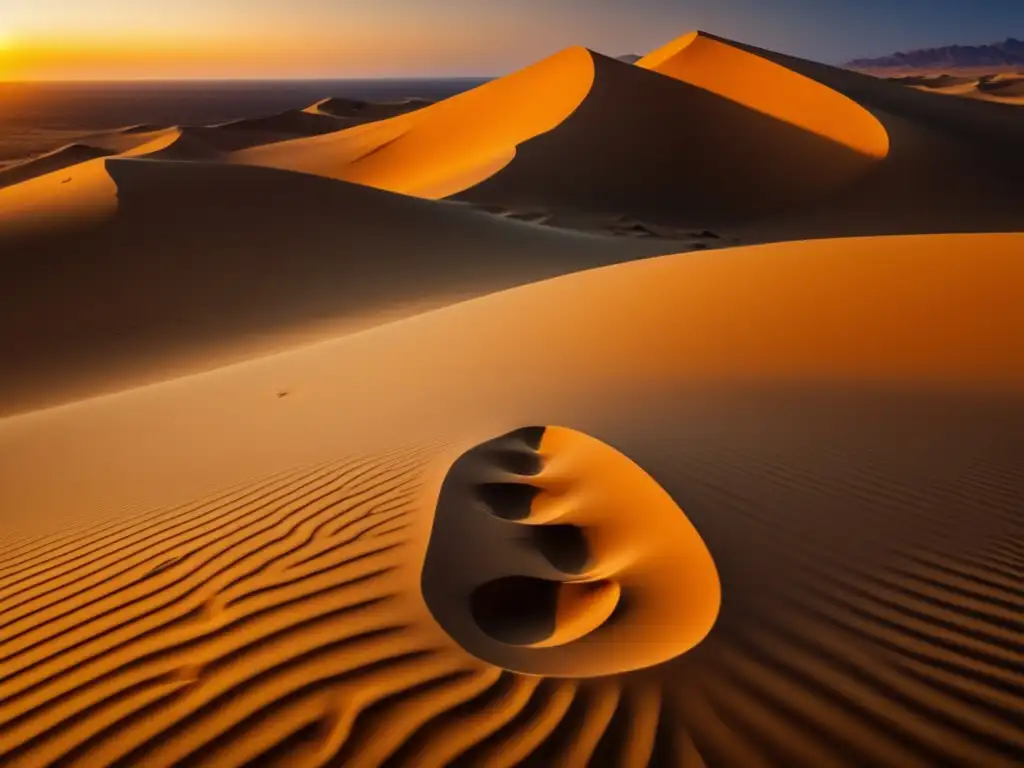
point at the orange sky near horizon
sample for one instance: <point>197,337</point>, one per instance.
<point>179,39</point>
<point>143,39</point>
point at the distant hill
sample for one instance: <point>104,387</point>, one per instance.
<point>629,58</point>
<point>1008,54</point>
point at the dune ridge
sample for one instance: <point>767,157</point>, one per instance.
<point>625,133</point>
<point>238,261</point>
<point>357,110</point>
<point>253,511</point>
<point>767,87</point>
<point>951,164</point>
<point>1002,88</point>
<point>448,146</point>
<point>72,154</point>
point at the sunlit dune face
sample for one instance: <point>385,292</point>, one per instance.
<point>731,72</point>
<point>450,146</point>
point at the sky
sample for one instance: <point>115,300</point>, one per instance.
<point>141,39</point>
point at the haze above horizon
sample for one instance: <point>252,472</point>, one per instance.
<point>335,39</point>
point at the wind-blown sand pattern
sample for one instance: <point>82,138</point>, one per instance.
<point>302,466</point>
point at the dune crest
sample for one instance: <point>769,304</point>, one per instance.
<point>446,147</point>
<point>767,87</point>
<point>80,193</point>
<point>357,111</point>
<point>51,162</point>
<point>253,511</point>
<point>576,551</point>
<point>249,260</point>
<point>582,132</point>
<point>1004,88</point>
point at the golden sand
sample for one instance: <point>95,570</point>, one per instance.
<point>303,466</point>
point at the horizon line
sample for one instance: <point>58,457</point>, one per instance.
<point>317,79</point>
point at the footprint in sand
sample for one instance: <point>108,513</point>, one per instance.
<point>554,554</point>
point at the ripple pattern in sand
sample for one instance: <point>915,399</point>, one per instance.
<point>266,625</point>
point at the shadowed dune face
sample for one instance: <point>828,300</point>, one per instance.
<point>868,547</point>
<point>80,194</point>
<point>953,164</point>
<point>446,147</point>
<point>769,88</point>
<point>354,111</point>
<point>580,131</point>
<point>552,553</point>
<point>1002,88</point>
<point>65,157</point>
<point>979,122</point>
<point>660,149</point>
<point>149,268</point>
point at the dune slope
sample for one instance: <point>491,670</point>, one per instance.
<point>176,266</point>
<point>580,131</point>
<point>767,87</point>
<point>446,147</point>
<point>217,574</point>
<point>952,164</point>
<point>73,154</point>
<point>354,111</point>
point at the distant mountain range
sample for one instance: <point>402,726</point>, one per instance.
<point>1008,54</point>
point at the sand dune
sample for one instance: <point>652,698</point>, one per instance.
<point>822,152</point>
<point>175,144</point>
<point>580,131</point>
<point>368,479</point>
<point>171,267</point>
<point>951,166</point>
<point>934,81</point>
<point>1005,84</point>
<point>34,206</point>
<point>203,141</point>
<point>294,122</point>
<point>354,111</point>
<point>771,89</point>
<point>166,143</point>
<point>854,487</point>
<point>449,146</point>
<point>73,154</point>
<point>1004,88</point>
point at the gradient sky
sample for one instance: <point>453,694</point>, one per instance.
<point>129,39</point>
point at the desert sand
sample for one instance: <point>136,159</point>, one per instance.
<point>352,448</point>
<point>1004,87</point>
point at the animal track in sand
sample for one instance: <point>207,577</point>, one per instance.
<point>554,554</point>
